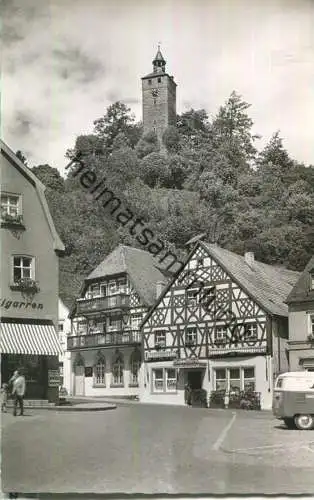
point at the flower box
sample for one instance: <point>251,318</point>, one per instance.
<point>26,285</point>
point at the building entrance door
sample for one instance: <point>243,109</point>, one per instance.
<point>195,379</point>
<point>79,380</point>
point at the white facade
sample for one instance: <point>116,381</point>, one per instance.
<point>64,329</point>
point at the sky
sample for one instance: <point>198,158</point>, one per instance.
<point>65,61</point>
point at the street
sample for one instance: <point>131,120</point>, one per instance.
<point>155,449</point>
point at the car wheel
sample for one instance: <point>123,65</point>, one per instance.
<point>304,422</point>
<point>289,422</point>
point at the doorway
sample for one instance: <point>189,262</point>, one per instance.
<point>79,378</point>
<point>195,379</point>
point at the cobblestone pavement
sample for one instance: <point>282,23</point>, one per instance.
<point>155,449</point>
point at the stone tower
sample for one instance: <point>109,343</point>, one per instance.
<point>159,98</point>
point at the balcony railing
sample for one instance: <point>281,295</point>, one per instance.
<point>101,339</point>
<point>119,301</point>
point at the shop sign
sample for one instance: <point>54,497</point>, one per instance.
<point>189,363</point>
<point>166,354</point>
<point>16,304</point>
<point>53,378</point>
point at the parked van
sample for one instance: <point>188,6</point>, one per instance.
<point>293,399</point>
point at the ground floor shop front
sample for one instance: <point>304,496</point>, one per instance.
<point>106,372</point>
<point>244,381</point>
<point>32,348</point>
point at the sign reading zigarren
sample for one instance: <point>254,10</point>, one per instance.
<point>8,304</point>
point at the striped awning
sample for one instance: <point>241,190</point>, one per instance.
<point>26,338</point>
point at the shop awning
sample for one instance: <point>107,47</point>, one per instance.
<point>29,338</point>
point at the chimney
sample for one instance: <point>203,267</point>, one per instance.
<point>159,288</point>
<point>249,259</point>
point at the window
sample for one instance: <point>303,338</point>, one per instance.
<point>136,321</point>
<point>235,379</point>
<point>220,379</point>
<point>100,371</point>
<point>191,335</point>
<point>312,280</point>
<point>221,334</point>
<point>112,288</point>
<point>192,296</point>
<point>164,380</point>
<point>122,285</point>
<point>60,327</point>
<point>149,82</point>
<point>10,205</point>
<point>158,380</point>
<point>23,267</point>
<point>135,364</point>
<point>159,80</point>
<point>117,370</point>
<point>171,379</point>
<point>81,327</point>
<point>199,262</point>
<point>311,325</point>
<point>160,337</point>
<point>114,323</point>
<point>249,379</point>
<point>250,331</point>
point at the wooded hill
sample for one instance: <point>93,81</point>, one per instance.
<point>207,178</point>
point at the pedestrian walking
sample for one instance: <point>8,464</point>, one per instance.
<point>18,392</point>
<point>4,397</point>
<point>226,400</point>
<point>188,394</point>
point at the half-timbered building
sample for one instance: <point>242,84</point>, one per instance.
<point>105,341</point>
<point>301,321</point>
<point>220,327</point>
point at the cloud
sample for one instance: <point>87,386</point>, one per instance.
<point>65,61</point>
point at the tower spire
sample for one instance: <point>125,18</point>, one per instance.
<point>159,63</point>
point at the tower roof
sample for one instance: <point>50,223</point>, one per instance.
<point>159,57</point>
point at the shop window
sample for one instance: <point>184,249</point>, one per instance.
<point>135,364</point>
<point>250,331</point>
<point>100,372</point>
<point>220,379</point>
<point>158,380</point>
<point>234,382</point>
<point>164,380</point>
<point>117,370</point>
<point>23,267</point>
<point>235,379</point>
<point>249,379</point>
<point>171,379</point>
<point>191,336</point>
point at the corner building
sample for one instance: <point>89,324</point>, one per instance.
<point>106,342</point>
<point>30,250</point>
<point>220,326</point>
<point>158,98</point>
<point>301,321</point>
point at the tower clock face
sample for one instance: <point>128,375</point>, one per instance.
<point>154,92</point>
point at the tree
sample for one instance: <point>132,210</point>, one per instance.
<point>21,157</point>
<point>117,119</point>
<point>50,177</point>
<point>147,144</point>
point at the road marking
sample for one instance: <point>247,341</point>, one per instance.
<point>272,446</point>
<point>223,434</point>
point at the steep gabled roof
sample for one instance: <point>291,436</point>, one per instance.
<point>301,291</point>
<point>40,188</point>
<point>138,264</point>
<point>268,285</point>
